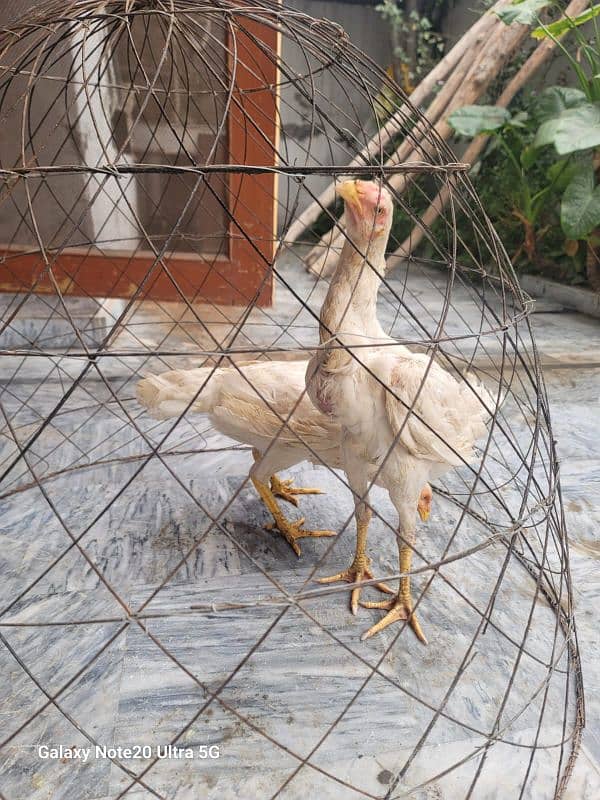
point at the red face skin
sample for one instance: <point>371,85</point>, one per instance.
<point>369,209</point>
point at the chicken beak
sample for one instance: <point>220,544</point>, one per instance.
<point>348,191</point>
<point>423,513</point>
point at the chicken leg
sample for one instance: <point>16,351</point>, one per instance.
<point>401,607</point>
<point>359,570</point>
<point>291,531</point>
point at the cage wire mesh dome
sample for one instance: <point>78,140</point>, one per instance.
<point>167,174</point>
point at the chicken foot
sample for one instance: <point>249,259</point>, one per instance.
<point>401,607</point>
<point>287,491</point>
<point>291,531</point>
<point>359,570</point>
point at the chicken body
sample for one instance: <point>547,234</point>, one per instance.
<point>405,420</point>
<point>263,404</point>
<point>255,402</point>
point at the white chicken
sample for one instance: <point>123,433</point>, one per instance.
<point>263,404</point>
<point>405,420</point>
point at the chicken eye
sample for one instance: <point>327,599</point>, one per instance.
<point>380,209</point>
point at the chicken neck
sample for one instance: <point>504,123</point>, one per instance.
<point>350,306</point>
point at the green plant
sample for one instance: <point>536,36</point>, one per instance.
<point>565,123</point>
<point>417,47</point>
<point>514,178</point>
<point>573,127</point>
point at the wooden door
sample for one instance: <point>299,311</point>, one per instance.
<point>153,234</point>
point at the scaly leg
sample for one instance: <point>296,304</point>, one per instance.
<point>359,570</point>
<point>287,491</point>
<point>401,608</point>
<point>291,531</point>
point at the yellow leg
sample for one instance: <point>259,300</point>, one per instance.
<point>359,570</point>
<point>287,491</point>
<point>291,531</point>
<point>401,608</point>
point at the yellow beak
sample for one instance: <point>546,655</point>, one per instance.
<point>423,513</point>
<point>348,192</point>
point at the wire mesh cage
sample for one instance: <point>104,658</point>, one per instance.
<point>168,173</point>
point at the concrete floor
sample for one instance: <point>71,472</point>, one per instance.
<point>114,554</point>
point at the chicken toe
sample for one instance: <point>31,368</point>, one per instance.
<point>398,609</point>
<point>357,572</point>
<point>287,491</point>
<point>292,531</point>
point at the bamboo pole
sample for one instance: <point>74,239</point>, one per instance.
<point>325,251</point>
<point>536,60</point>
<point>470,80</point>
<point>398,120</point>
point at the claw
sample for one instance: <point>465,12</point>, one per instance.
<point>287,491</point>
<point>356,572</point>
<point>291,531</point>
<point>398,609</point>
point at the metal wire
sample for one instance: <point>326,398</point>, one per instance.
<point>143,133</point>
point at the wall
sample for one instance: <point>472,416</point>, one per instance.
<point>365,28</point>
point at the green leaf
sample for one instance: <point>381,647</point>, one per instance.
<point>555,29</point>
<point>573,130</point>
<point>553,101</point>
<point>528,156</point>
<point>580,207</point>
<point>546,133</point>
<point>524,13</point>
<point>473,120</point>
<point>579,129</point>
<point>519,120</point>
<point>562,172</point>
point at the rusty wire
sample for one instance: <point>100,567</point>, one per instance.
<point>170,66</point>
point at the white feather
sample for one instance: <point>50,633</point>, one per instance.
<point>260,403</point>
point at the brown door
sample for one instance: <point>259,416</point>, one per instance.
<point>157,102</point>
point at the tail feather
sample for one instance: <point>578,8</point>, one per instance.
<point>491,402</point>
<point>169,394</point>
